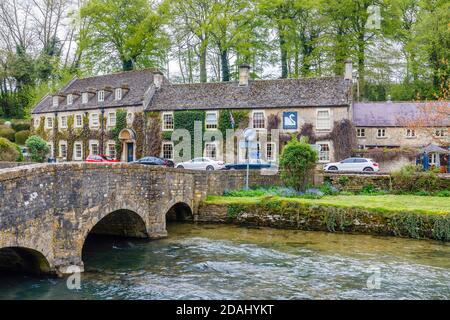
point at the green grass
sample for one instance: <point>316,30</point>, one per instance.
<point>379,203</point>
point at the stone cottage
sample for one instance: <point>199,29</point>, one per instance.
<point>131,114</point>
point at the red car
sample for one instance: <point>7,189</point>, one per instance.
<point>100,158</point>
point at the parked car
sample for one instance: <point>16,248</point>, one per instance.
<point>353,165</point>
<point>100,158</point>
<point>201,163</point>
<point>252,165</point>
<point>155,161</point>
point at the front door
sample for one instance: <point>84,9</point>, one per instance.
<point>130,152</point>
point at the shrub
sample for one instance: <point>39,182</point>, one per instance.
<point>7,132</point>
<point>328,189</point>
<point>411,179</point>
<point>20,125</point>
<point>21,136</point>
<point>20,157</point>
<point>297,161</point>
<point>8,150</point>
<point>37,148</point>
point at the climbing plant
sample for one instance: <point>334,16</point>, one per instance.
<point>153,134</point>
<point>186,120</point>
<point>121,123</point>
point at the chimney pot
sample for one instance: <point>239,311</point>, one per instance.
<point>348,72</point>
<point>244,74</point>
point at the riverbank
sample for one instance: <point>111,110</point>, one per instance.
<point>410,216</point>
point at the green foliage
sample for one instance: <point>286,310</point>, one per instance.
<point>343,181</point>
<point>20,157</point>
<point>240,120</point>
<point>22,136</point>
<point>411,178</point>
<point>37,148</point>
<point>8,150</point>
<point>20,125</point>
<point>297,161</point>
<point>186,120</point>
<point>7,132</point>
<point>121,123</point>
<point>234,210</point>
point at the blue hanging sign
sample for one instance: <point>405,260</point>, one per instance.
<point>290,120</point>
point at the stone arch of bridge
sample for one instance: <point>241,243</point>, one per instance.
<point>19,259</point>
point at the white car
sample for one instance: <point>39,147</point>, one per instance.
<point>202,163</point>
<point>353,165</point>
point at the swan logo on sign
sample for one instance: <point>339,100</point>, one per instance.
<point>290,120</point>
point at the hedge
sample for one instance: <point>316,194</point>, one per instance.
<point>22,136</point>
<point>7,132</point>
<point>8,150</point>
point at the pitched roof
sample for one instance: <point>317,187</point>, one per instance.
<point>389,114</point>
<point>137,81</point>
<point>324,91</point>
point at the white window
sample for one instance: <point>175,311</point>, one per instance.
<point>381,133</point>
<point>111,149</point>
<point>324,153</point>
<point>258,120</point>
<point>111,119</point>
<point>69,99</point>
<point>323,120</point>
<point>440,133</point>
<point>78,151</point>
<point>118,94</point>
<point>167,121</point>
<point>84,97</point>
<point>130,118</point>
<point>167,150</point>
<point>101,95</point>
<point>55,101</point>
<point>94,120</point>
<point>63,121</point>
<point>410,133</point>
<point>211,121</point>
<point>271,151</point>
<point>49,123</point>
<point>211,150</point>
<point>361,133</point>
<point>78,120</point>
<point>432,158</point>
<point>63,149</point>
<point>93,148</point>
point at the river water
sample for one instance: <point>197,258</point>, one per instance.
<point>230,262</point>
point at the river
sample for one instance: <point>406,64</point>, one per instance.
<point>230,262</point>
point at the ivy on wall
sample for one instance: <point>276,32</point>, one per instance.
<point>241,120</point>
<point>138,127</point>
<point>121,123</point>
<point>186,120</point>
<point>153,134</point>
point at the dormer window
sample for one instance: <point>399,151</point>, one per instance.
<point>101,96</point>
<point>84,97</point>
<point>69,99</point>
<point>118,94</point>
<point>55,101</point>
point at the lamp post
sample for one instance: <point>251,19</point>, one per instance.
<point>249,136</point>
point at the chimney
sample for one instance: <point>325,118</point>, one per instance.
<point>158,79</point>
<point>348,72</point>
<point>244,73</point>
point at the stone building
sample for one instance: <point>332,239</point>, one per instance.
<point>131,114</point>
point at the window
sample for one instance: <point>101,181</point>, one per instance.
<point>167,121</point>
<point>84,97</point>
<point>63,121</point>
<point>36,122</point>
<point>63,149</point>
<point>55,101</point>
<point>259,121</point>
<point>69,99</point>
<point>324,153</point>
<point>101,95</point>
<point>432,158</point>
<point>381,133</point>
<point>211,120</point>
<point>49,123</point>
<point>93,148</point>
<point>440,133</point>
<point>130,118</point>
<point>50,147</point>
<point>94,120</point>
<point>112,119</point>
<point>270,151</point>
<point>111,150</point>
<point>78,151</point>
<point>211,150</point>
<point>361,133</point>
<point>118,94</point>
<point>323,120</point>
<point>167,150</point>
<point>410,133</point>
<point>78,120</point>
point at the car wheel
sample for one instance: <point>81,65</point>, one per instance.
<point>209,168</point>
<point>368,169</point>
<point>180,167</point>
<point>332,168</point>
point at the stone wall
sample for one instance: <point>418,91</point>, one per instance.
<point>6,164</point>
<point>356,182</point>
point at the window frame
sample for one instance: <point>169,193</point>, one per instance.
<point>118,94</point>
<point>55,101</point>
<point>164,143</point>
<point>328,128</point>
<point>62,143</point>
<point>75,124</point>
<point>46,123</point>
<point>75,144</point>
<point>164,128</point>
<point>69,99</point>
<point>216,113</point>
<point>91,124</point>
<point>63,125</point>
<point>108,150</point>
<point>328,143</point>
<point>211,143</point>
<point>84,97</point>
<point>358,132</point>
<point>91,149</point>
<point>409,135</point>
<point>273,151</point>
<point>101,95</point>
<point>109,118</point>
<point>381,130</point>
<point>264,119</point>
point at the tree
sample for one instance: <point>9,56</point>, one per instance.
<point>297,161</point>
<point>123,33</point>
<point>37,148</point>
<point>8,151</point>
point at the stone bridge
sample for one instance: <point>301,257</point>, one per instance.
<point>48,210</point>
